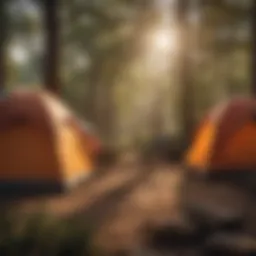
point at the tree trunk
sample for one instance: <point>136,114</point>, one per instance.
<point>3,38</point>
<point>51,68</point>
<point>187,107</point>
<point>253,35</point>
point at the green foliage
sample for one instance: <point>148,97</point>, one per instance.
<point>106,67</point>
<point>43,235</point>
<point>224,48</point>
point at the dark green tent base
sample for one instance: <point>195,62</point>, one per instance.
<point>29,188</point>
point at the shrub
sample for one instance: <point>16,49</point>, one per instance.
<point>43,235</point>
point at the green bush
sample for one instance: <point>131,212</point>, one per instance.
<point>42,235</point>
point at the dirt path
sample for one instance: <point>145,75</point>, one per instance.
<point>154,199</point>
<point>125,202</point>
<point>119,203</point>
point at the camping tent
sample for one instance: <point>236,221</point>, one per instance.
<point>41,145</point>
<point>226,138</point>
<point>88,137</point>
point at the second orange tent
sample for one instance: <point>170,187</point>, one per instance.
<point>226,139</point>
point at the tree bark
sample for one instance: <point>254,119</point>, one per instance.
<point>3,38</point>
<point>253,38</point>
<point>187,108</point>
<point>52,28</point>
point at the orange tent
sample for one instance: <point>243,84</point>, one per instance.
<point>226,139</point>
<point>88,136</point>
<point>42,144</point>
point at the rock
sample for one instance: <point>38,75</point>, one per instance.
<point>230,244</point>
<point>217,219</point>
<point>214,205</point>
<point>173,235</point>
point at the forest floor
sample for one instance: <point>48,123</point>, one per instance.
<point>135,209</point>
<point>119,203</point>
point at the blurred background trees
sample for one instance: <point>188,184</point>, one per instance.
<point>122,62</point>
<point>3,42</point>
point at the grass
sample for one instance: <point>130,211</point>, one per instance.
<point>43,235</point>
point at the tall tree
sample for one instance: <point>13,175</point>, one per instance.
<point>51,68</point>
<point>253,31</point>
<point>3,38</point>
<point>184,61</point>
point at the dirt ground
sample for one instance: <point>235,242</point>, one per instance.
<point>120,203</point>
<point>125,202</point>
